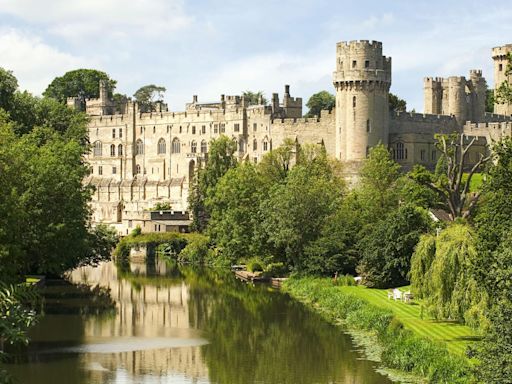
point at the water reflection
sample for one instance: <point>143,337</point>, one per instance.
<point>184,325</point>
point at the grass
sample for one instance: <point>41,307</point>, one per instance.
<point>456,336</point>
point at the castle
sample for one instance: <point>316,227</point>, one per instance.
<point>139,159</point>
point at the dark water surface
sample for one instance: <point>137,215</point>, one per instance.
<point>163,324</point>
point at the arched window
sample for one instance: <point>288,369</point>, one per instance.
<point>139,150</point>
<point>265,144</point>
<point>254,145</point>
<point>204,146</point>
<point>137,169</point>
<point>193,147</point>
<point>354,102</point>
<point>400,153</point>
<point>176,147</point>
<point>112,150</point>
<point>161,147</point>
<point>97,148</point>
<point>120,150</point>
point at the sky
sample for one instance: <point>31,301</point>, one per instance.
<point>213,47</point>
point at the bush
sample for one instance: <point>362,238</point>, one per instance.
<point>345,280</point>
<point>276,270</point>
<point>197,250</point>
<point>254,265</point>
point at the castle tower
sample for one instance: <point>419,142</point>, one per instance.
<point>478,94</point>
<point>362,80</point>
<point>433,95</point>
<point>103,96</point>
<point>500,57</point>
<point>457,102</point>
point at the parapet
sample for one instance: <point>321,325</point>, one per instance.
<point>475,73</point>
<point>502,51</point>
<point>421,117</point>
<point>358,44</point>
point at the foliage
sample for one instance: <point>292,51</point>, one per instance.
<point>148,96</point>
<point>442,274</point>
<point>276,164</point>
<point>344,280</point>
<point>81,83</point>
<point>401,349</point>
<point>255,264</point>
<point>503,94</point>
<point>255,98</point>
<point>276,270</point>
<point>386,250</point>
<point>320,101</point>
<point>397,104</point>
<point>489,101</point>
<point>102,241</point>
<point>8,86</point>
<point>197,250</point>
<point>162,206</point>
<point>221,158</point>
<point>449,181</point>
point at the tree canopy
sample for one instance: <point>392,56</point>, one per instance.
<point>397,104</point>
<point>255,98</point>
<point>320,101</point>
<point>148,96</point>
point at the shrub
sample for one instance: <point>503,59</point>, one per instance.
<point>345,280</point>
<point>276,270</point>
<point>197,250</point>
<point>254,265</point>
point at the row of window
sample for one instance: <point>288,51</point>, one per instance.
<point>217,128</point>
<point>366,64</point>
<point>399,152</point>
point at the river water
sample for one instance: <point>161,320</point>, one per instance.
<point>160,323</point>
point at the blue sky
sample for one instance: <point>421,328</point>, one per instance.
<point>213,47</point>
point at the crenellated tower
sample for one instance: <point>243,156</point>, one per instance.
<point>362,80</point>
<point>500,57</point>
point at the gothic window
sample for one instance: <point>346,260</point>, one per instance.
<point>112,150</point>
<point>265,145</point>
<point>237,127</point>
<point>137,169</point>
<point>161,147</point>
<point>139,149</point>
<point>353,102</point>
<point>176,146</point>
<point>181,129</point>
<point>120,133</point>
<point>100,170</point>
<point>203,129</point>
<point>97,148</point>
<point>193,129</point>
<point>215,128</point>
<point>501,67</point>
<point>193,147</point>
<point>113,133</point>
<point>204,146</point>
<point>400,152</point>
<point>222,128</point>
<point>254,145</point>
<point>120,150</point>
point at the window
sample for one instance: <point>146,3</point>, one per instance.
<point>137,169</point>
<point>97,148</point>
<point>433,155</point>
<point>180,129</point>
<point>100,170</point>
<point>203,129</point>
<point>154,129</point>
<point>204,147</point>
<point>354,102</point>
<point>500,67</point>
<point>114,170</point>
<point>167,129</point>
<point>114,133</point>
<point>368,126</point>
<point>254,127</point>
<point>193,147</point>
<point>120,133</point>
<point>354,63</point>
<point>237,127</point>
<point>422,155</point>
<point>112,150</point>
<point>193,129</point>
<point>161,147</point>
<point>139,149</point>
<point>120,150</point>
<point>254,145</point>
<point>367,64</point>
<point>222,128</point>
<point>400,153</point>
<point>141,129</point>
<point>265,145</point>
<point>176,146</point>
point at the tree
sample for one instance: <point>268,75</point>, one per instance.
<point>255,98</point>
<point>148,96</point>
<point>489,101</point>
<point>451,185</point>
<point>276,164</point>
<point>8,86</point>
<point>320,101</point>
<point>81,83</point>
<point>386,251</point>
<point>397,104</point>
<point>221,158</point>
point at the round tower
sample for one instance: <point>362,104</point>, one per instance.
<point>500,57</point>
<point>457,101</point>
<point>362,80</point>
<point>479,95</point>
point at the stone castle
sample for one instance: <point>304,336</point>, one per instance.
<point>139,159</point>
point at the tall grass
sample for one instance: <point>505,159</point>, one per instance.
<point>401,348</point>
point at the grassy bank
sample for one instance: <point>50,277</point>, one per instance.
<point>402,348</point>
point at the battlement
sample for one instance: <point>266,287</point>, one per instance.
<point>475,73</point>
<point>324,115</point>
<point>421,117</point>
<point>359,44</point>
<point>500,52</point>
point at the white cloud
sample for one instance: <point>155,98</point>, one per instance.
<point>34,63</point>
<point>80,20</point>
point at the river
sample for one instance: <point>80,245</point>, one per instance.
<point>160,323</point>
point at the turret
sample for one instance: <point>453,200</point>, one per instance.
<point>362,80</point>
<point>500,57</point>
<point>479,94</point>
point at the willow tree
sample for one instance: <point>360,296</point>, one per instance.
<point>452,179</point>
<point>442,274</point>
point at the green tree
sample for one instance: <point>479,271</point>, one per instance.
<point>276,164</point>
<point>8,86</point>
<point>397,104</point>
<point>503,94</point>
<point>148,96</point>
<point>221,158</point>
<point>81,83</point>
<point>320,101</point>
<point>489,101</point>
<point>255,98</point>
<point>386,250</point>
<point>450,182</point>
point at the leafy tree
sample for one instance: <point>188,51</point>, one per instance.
<point>397,104</point>
<point>322,100</point>
<point>255,98</point>
<point>442,274</point>
<point>81,83</point>
<point>221,158</point>
<point>148,96</point>
<point>489,100</point>
<point>451,184</point>
<point>503,94</point>
<point>8,85</point>
<point>276,164</point>
<point>386,250</point>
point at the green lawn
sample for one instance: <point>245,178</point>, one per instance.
<point>456,336</point>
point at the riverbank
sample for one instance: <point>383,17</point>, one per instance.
<point>400,348</point>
